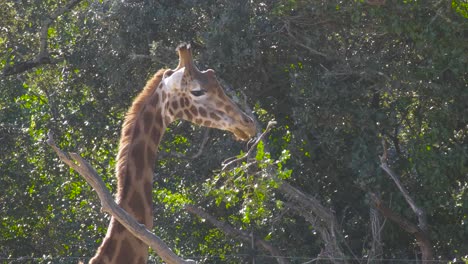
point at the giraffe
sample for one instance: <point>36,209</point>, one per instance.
<point>183,93</point>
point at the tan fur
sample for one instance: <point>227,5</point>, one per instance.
<point>129,124</point>
<point>145,123</point>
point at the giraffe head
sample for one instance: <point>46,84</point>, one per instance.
<point>197,96</point>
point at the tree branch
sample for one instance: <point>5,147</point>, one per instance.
<point>376,250</point>
<point>421,237</point>
<point>418,211</point>
<point>305,205</point>
<point>323,219</point>
<point>420,231</point>
<point>236,233</point>
<point>287,27</point>
<point>43,57</point>
<point>76,162</point>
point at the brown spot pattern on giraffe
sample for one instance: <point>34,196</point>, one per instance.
<point>188,114</point>
<point>147,121</point>
<point>150,156</point>
<point>194,110</point>
<point>228,108</point>
<point>136,130</point>
<point>219,104</point>
<point>215,116</point>
<point>175,105</point>
<point>127,253</point>
<point>203,112</point>
<point>109,247</point>
<point>127,185</point>
<point>137,204</point>
<point>119,228</point>
<point>138,156</point>
<point>155,100</point>
<point>148,190</point>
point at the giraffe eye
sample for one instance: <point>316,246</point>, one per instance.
<point>198,92</point>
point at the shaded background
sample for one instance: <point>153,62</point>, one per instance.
<point>339,77</point>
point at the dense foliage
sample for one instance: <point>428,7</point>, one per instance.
<point>347,82</point>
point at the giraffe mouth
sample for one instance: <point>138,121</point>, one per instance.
<point>240,135</point>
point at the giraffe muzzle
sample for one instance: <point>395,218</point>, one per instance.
<point>246,131</point>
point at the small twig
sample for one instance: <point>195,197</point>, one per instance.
<point>287,27</point>
<point>421,236</point>
<point>206,136</point>
<point>76,162</point>
<point>231,160</point>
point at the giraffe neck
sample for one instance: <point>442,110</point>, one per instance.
<point>142,131</point>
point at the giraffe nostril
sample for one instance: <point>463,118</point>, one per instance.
<point>247,119</point>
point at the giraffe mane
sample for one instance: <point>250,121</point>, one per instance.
<point>128,128</point>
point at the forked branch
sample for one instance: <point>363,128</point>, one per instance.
<point>421,236</point>
<point>416,209</point>
<point>420,231</point>
<point>76,162</point>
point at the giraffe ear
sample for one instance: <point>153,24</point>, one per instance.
<point>185,58</point>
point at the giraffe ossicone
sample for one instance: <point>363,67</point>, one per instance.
<point>183,93</point>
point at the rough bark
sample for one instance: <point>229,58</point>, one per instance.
<point>322,218</point>
<point>421,236</point>
<point>420,231</point>
<point>376,250</point>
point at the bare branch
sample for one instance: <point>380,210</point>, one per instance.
<point>306,200</point>
<point>287,27</point>
<point>206,136</point>
<point>420,231</point>
<point>76,162</point>
<point>421,236</point>
<point>236,233</point>
<point>376,250</point>
<point>323,219</point>
<point>418,211</point>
